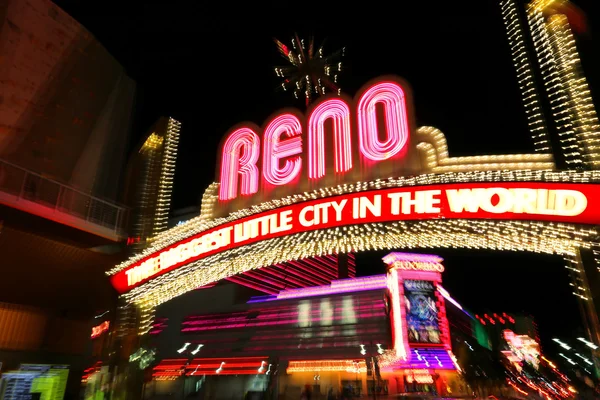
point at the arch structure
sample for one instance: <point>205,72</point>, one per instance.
<point>408,193</point>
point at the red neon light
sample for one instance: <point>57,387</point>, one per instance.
<point>133,240</point>
<point>240,154</point>
<point>559,202</point>
<point>100,329</point>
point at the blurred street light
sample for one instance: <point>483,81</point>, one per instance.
<point>563,345</point>
<point>588,343</point>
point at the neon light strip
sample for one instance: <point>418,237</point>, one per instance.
<point>245,282</point>
<point>369,305</point>
<point>291,321</point>
<point>301,278</point>
<point>275,150</point>
<point>349,285</point>
<point>339,112</point>
<point>327,365</point>
<point>398,334</point>
<point>391,96</point>
<point>240,154</point>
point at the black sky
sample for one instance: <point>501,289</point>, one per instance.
<point>210,65</point>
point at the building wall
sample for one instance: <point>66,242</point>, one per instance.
<point>34,329</point>
<point>65,102</point>
<point>65,111</point>
<point>220,319</point>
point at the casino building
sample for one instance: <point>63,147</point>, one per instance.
<point>294,198</point>
<point>384,333</point>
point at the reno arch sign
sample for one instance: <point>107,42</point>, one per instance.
<point>354,174</point>
<point>516,201</point>
<point>338,141</point>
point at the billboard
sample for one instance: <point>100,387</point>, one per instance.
<point>422,319</point>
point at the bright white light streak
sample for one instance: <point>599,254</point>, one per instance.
<point>567,358</point>
<point>185,346</point>
<point>585,359</point>
<point>362,349</point>
<point>262,366</point>
<point>563,345</point>
<point>195,351</point>
<point>220,368</point>
<point>588,343</point>
<point>447,296</point>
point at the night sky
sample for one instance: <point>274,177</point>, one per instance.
<point>210,65</point>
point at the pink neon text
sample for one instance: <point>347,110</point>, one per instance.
<point>282,147</point>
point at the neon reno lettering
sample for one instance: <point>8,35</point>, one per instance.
<point>275,150</point>
<point>240,153</point>
<point>284,135</point>
<point>559,202</point>
<point>339,113</point>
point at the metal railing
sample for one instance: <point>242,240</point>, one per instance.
<point>27,185</point>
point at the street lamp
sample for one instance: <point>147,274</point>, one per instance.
<point>562,344</point>
<point>184,348</point>
<point>190,357</point>
<point>588,343</point>
<point>364,352</point>
<point>194,352</point>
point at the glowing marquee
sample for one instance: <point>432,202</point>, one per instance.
<point>336,135</point>
<point>559,202</point>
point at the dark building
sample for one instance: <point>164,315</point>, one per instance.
<point>65,119</point>
<point>150,182</point>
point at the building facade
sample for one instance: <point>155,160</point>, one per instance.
<point>65,121</point>
<point>382,334</point>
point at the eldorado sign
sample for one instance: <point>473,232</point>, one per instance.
<point>560,202</point>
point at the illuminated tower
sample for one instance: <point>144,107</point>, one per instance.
<point>559,111</point>
<point>571,104</point>
<point>523,63</point>
<point>568,105</point>
<point>151,173</point>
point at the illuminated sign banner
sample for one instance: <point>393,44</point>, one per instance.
<point>558,202</point>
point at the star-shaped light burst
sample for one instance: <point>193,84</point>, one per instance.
<point>310,73</point>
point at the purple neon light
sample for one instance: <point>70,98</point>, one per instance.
<point>426,258</point>
<point>427,358</point>
<point>273,317</point>
<point>338,286</point>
